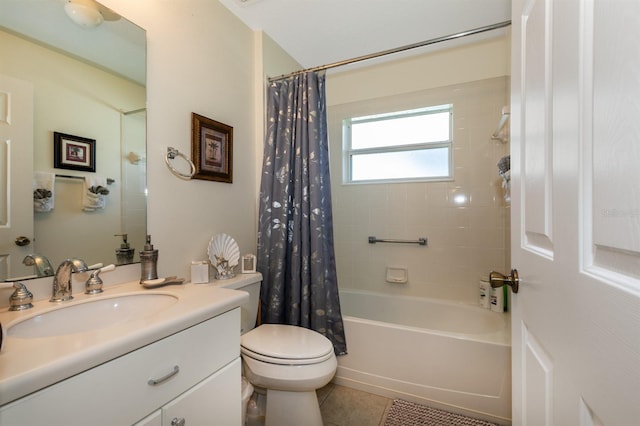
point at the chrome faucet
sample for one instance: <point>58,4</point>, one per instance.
<point>62,279</point>
<point>42,264</point>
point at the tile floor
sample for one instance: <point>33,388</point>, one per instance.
<point>342,406</point>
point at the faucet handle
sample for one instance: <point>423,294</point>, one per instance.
<point>108,268</point>
<point>94,283</point>
<point>21,298</point>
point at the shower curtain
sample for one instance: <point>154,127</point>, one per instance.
<point>295,229</point>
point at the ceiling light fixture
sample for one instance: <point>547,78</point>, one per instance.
<point>84,13</point>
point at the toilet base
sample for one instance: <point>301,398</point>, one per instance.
<point>292,408</point>
<point>257,408</point>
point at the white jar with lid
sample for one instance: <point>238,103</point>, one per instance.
<point>199,271</point>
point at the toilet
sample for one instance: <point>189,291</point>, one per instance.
<point>285,364</point>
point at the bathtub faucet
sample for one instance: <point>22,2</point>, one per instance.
<point>62,279</point>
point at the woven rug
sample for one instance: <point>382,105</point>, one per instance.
<point>404,413</point>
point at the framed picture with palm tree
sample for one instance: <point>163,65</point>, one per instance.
<point>211,149</point>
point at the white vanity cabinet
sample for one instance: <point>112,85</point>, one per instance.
<point>196,374</point>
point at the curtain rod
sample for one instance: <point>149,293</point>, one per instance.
<point>396,50</point>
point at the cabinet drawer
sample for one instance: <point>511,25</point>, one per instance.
<point>214,401</point>
<point>118,392</point>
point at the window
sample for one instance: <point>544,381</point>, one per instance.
<point>412,145</point>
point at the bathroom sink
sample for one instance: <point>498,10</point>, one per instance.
<point>91,315</point>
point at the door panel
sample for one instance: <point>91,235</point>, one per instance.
<point>611,147</point>
<point>576,212</point>
<point>537,143</point>
<point>535,204</point>
<point>537,370</point>
<point>16,174</point>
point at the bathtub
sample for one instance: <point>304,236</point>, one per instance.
<point>446,355</point>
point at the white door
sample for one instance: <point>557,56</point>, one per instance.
<point>576,212</point>
<point>16,175</point>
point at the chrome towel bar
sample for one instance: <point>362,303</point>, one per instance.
<point>420,241</point>
<point>109,180</point>
<point>172,153</point>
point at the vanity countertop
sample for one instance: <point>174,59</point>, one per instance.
<point>30,364</point>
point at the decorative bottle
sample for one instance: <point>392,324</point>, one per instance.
<point>124,254</point>
<point>149,262</point>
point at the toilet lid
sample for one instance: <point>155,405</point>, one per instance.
<point>286,344</point>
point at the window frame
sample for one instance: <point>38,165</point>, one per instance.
<point>348,152</point>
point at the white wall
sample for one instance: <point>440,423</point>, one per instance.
<point>201,59</point>
<point>476,61</point>
<point>271,61</point>
<point>134,179</point>
<point>467,239</point>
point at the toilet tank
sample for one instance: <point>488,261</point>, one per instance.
<point>251,284</point>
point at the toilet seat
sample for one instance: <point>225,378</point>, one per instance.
<point>283,361</point>
<point>286,345</point>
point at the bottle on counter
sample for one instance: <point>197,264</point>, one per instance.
<point>149,262</point>
<point>124,254</point>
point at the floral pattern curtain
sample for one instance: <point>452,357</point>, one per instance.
<point>295,230</point>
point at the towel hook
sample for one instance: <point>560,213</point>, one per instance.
<point>172,153</point>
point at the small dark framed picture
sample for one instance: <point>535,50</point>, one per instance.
<point>211,149</point>
<point>74,152</point>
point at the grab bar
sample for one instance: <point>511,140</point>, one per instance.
<point>420,241</point>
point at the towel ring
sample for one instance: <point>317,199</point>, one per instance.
<point>172,153</point>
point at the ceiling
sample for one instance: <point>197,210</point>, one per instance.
<point>118,45</point>
<point>319,32</point>
<point>313,32</point>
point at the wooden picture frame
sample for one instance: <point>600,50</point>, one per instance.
<point>74,152</point>
<point>211,149</point>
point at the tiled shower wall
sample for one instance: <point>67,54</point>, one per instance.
<point>466,239</point>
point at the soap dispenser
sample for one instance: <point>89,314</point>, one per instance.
<point>149,261</point>
<point>124,254</point>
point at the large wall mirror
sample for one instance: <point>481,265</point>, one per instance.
<point>82,77</point>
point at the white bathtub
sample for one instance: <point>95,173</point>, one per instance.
<point>446,355</point>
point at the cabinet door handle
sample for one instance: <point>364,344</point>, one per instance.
<point>178,422</point>
<point>153,382</point>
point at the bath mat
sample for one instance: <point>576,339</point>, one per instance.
<point>405,413</point>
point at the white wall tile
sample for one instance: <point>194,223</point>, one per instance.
<point>466,236</point>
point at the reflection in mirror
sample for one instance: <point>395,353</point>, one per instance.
<point>84,83</point>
